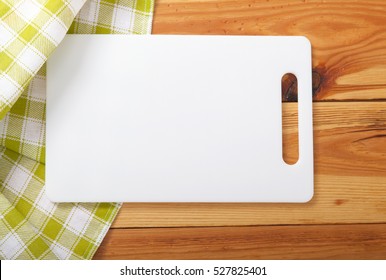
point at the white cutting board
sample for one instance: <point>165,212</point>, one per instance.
<point>175,119</point>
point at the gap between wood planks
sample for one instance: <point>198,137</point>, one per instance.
<point>246,226</point>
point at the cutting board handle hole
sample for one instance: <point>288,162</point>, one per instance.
<point>289,112</point>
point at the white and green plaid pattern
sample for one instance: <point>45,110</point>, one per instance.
<point>29,31</point>
<point>32,227</point>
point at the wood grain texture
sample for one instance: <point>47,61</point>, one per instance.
<point>349,64</point>
<point>348,37</point>
<point>350,178</point>
<point>263,242</point>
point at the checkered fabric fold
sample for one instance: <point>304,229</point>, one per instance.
<point>31,226</point>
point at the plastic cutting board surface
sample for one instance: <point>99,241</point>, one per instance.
<point>175,119</point>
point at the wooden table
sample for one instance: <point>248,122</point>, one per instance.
<point>347,216</point>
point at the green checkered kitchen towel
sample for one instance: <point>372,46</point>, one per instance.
<point>32,227</point>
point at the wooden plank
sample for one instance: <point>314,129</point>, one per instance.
<point>263,242</point>
<point>350,178</point>
<point>348,37</point>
